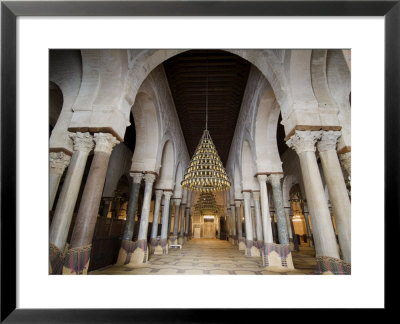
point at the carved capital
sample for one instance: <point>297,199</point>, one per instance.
<point>238,203</point>
<point>328,141</point>
<point>177,201</point>
<point>58,162</point>
<point>304,141</point>
<point>149,177</point>
<point>82,141</point>
<point>246,194</point>
<point>167,195</point>
<point>158,193</point>
<point>136,177</point>
<point>256,195</point>
<point>105,142</point>
<point>275,179</point>
<point>262,178</point>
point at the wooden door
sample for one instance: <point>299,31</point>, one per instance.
<point>209,230</point>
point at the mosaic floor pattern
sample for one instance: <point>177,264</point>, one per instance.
<point>210,256</point>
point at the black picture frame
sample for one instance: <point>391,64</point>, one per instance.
<point>10,10</point>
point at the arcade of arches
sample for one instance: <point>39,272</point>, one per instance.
<point>125,123</point>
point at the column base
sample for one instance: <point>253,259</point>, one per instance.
<point>242,244</point>
<point>155,246</point>
<point>164,246</point>
<point>260,246</point>
<point>332,266</point>
<point>76,261</point>
<point>173,240</point>
<point>277,257</point>
<point>56,260</point>
<point>234,240</point>
<point>251,249</point>
<point>180,240</point>
<point>133,253</point>
<point>185,238</point>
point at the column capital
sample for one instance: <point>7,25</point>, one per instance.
<point>149,178</point>
<point>58,162</point>
<point>275,179</point>
<point>262,178</point>
<point>105,142</point>
<point>303,141</point>
<point>328,140</point>
<point>238,203</point>
<point>177,201</point>
<point>167,194</point>
<point>158,193</point>
<point>136,177</point>
<point>246,194</point>
<point>256,195</point>
<point>82,141</point>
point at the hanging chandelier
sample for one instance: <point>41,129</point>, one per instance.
<point>206,204</point>
<point>205,172</point>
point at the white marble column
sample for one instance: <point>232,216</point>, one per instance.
<point>83,144</point>
<point>181,224</point>
<point>251,250</point>
<point>164,228</point>
<point>158,194</point>
<point>58,162</point>
<point>275,180</point>
<point>337,190</point>
<point>242,244</point>
<point>234,222</point>
<point>174,238</point>
<point>144,216</point>
<point>187,211</point>
<point>259,231</point>
<point>303,142</point>
<point>85,223</point>
<point>266,217</point>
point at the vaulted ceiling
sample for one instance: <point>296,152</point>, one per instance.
<point>226,74</point>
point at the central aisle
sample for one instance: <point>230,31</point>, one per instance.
<point>202,256</point>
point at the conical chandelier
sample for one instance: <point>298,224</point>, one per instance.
<point>205,172</point>
<point>206,203</point>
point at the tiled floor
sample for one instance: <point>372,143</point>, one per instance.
<point>210,256</point>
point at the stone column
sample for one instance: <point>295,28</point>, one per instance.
<point>140,251</point>
<point>253,224</point>
<point>324,237</point>
<point>345,160</point>
<point>127,245</point>
<point>260,241</point>
<point>296,242</point>
<point>169,218</point>
<point>156,212</point>
<point>337,190</point>
<point>187,223</point>
<point>78,256</point>
<point>251,250</point>
<point>242,244</point>
<point>58,162</point>
<point>234,223</point>
<point>275,180</point>
<point>164,228</point>
<point>274,229</point>
<point>83,144</point>
<point>289,228</point>
<point>266,217</point>
<point>174,237</point>
<point>182,219</point>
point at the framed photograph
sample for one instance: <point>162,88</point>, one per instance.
<point>169,157</point>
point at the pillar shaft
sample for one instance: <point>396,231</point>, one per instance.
<point>88,209</point>
<point>275,180</point>
<point>83,144</point>
<point>132,207</point>
<point>187,221</point>
<point>247,216</point>
<point>239,220</point>
<point>266,217</point>
<point>156,213</point>
<point>176,218</point>
<point>256,198</point>
<point>182,219</point>
<point>58,162</point>
<point>144,218</point>
<point>165,215</point>
<point>324,237</point>
<point>337,190</point>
